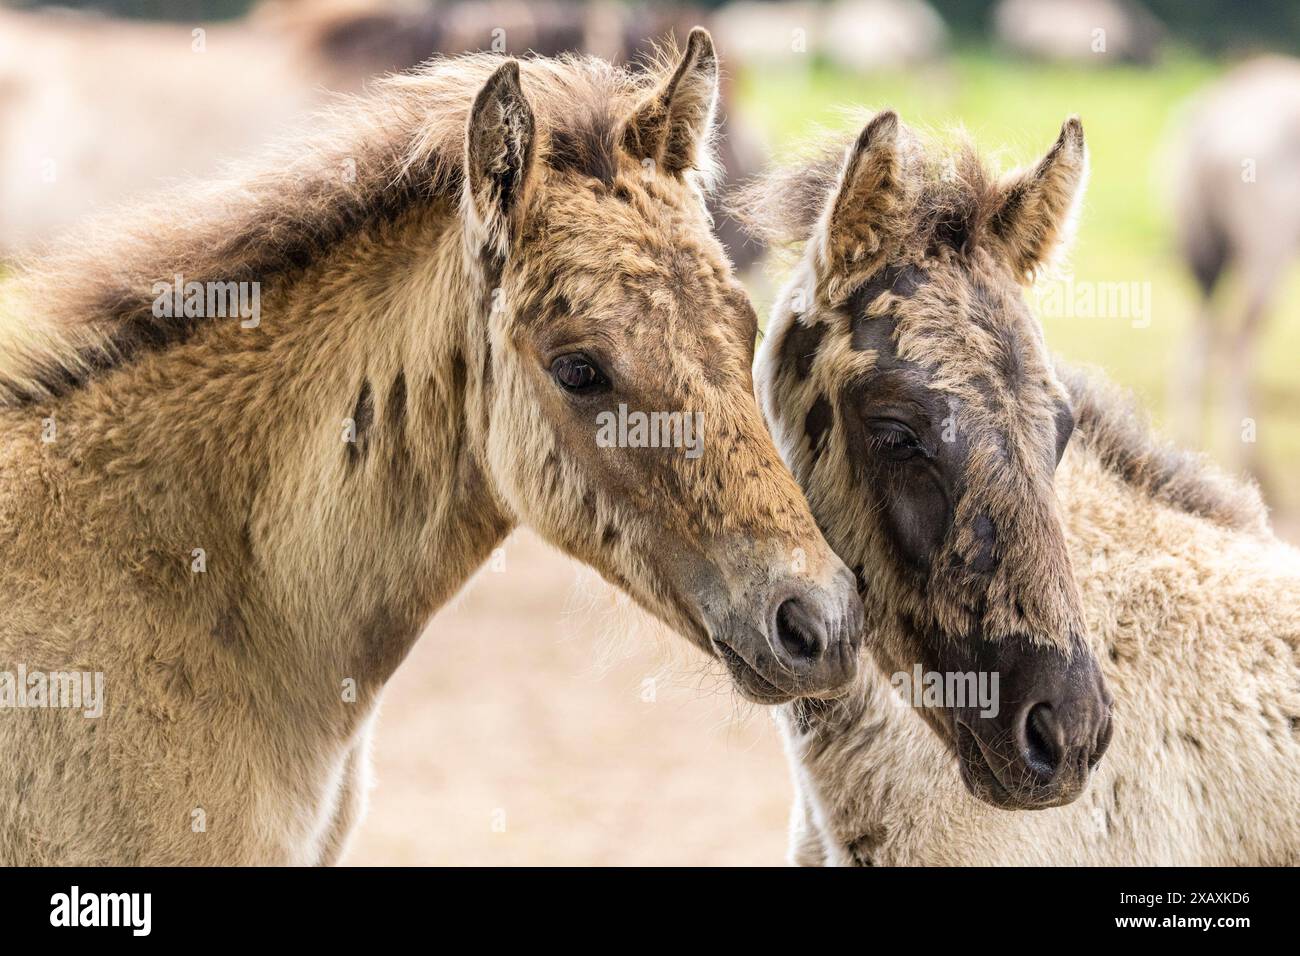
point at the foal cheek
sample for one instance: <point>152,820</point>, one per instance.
<point>916,515</point>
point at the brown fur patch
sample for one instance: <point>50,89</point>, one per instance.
<point>395,405</point>
<point>588,147</point>
<point>819,419</point>
<point>230,632</point>
<point>799,348</point>
<point>363,416</point>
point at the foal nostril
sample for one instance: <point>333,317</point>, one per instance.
<point>1040,741</point>
<point>1103,741</point>
<point>796,633</point>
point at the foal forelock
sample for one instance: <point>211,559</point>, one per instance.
<point>950,201</point>
<point>86,305</point>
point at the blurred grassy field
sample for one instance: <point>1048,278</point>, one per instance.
<point>1013,111</point>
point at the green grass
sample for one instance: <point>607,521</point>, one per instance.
<point>1013,112</point>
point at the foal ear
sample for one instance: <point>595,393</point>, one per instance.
<point>857,220</point>
<point>1037,209</point>
<point>673,126</point>
<point>499,149</point>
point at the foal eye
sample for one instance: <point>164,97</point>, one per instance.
<point>577,373</point>
<point>894,441</point>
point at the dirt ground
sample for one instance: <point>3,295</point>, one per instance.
<point>541,720</point>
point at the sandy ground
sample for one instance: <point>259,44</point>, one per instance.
<point>529,726</point>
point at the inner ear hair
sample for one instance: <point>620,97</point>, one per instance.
<point>499,150</point>
<point>1035,214</point>
<point>672,128</point>
<point>864,209</point>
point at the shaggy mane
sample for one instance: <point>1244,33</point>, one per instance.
<point>1112,427</point>
<point>86,303</point>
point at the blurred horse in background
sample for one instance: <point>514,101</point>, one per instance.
<point>1238,207</point>
<point>86,123</point>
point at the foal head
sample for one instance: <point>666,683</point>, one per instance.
<point>619,411</point>
<point>912,395</point>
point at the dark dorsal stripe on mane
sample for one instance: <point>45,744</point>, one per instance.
<point>87,305</point>
<point>259,250</point>
<point>1113,429</point>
